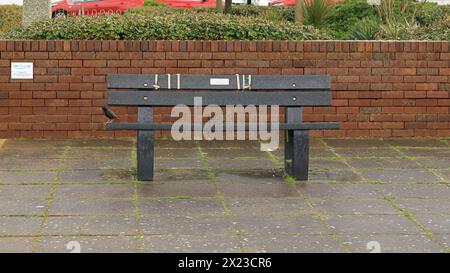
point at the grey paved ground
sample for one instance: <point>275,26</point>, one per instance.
<point>225,197</point>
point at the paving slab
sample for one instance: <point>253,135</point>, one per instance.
<point>229,144</point>
<point>22,206</point>
<point>224,197</point>
<point>27,177</point>
<point>291,244</point>
<point>353,206</point>
<point>249,176</point>
<point>191,244</point>
<point>444,239</point>
<point>96,164</point>
<point>200,188</point>
<point>384,163</point>
<point>410,243</point>
<point>234,153</point>
<point>372,224</point>
<point>180,174</point>
<point>28,144</point>
<point>179,163</point>
<point>328,164</point>
<point>24,192</point>
<point>91,207</point>
<point>270,206</point>
<point>436,223</point>
<point>101,154</point>
<point>252,190</point>
<point>16,226</point>
<point>438,191</point>
<point>120,191</point>
<point>162,153</point>
<point>93,176</point>
<point>420,205</point>
<point>240,164</point>
<point>91,225</point>
<point>441,152</point>
<point>434,162</point>
<point>367,152</point>
<point>87,244</point>
<point>400,176</point>
<point>337,191</point>
<point>314,152</point>
<point>31,153</point>
<point>317,152</point>
<point>416,142</point>
<point>298,224</point>
<point>9,164</point>
<point>167,144</point>
<point>355,142</point>
<point>185,225</point>
<point>181,207</point>
<point>105,143</point>
<point>338,175</point>
<point>118,175</point>
<point>444,175</point>
<point>16,244</point>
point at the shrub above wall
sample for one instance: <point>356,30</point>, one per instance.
<point>176,26</point>
<point>351,19</point>
<point>10,17</point>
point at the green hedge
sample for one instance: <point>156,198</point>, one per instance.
<point>151,3</point>
<point>10,17</point>
<point>351,19</point>
<point>171,26</point>
<point>347,15</point>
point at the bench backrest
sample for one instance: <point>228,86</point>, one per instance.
<point>174,89</point>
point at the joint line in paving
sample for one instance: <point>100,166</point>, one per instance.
<point>138,215</point>
<point>137,211</point>
<point>219,197</point>
<point>390,200</point>
<point>419,164</point>
<point>51,197</point>
<point>316,212</point>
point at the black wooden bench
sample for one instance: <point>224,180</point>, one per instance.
<point>292,92</point>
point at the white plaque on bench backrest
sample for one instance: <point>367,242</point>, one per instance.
<point>21,71</point>
<point>217,81</point>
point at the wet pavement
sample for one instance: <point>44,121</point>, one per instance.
<point>391,195</point>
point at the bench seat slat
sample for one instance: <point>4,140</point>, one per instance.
<point>164,98</point>
<point>226,82</point>
<point>233,127</point>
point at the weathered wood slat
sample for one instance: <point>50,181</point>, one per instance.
<point>246,127</point>
<point>163,98</point>
<point>216,82</point>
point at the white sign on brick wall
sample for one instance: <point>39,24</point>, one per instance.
<point>21,71</point>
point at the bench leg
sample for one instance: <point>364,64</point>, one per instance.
<point>296,147</point>
<point>297,154</point>
<point>145,146</point>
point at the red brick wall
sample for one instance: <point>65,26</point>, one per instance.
<point>380,89</point>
